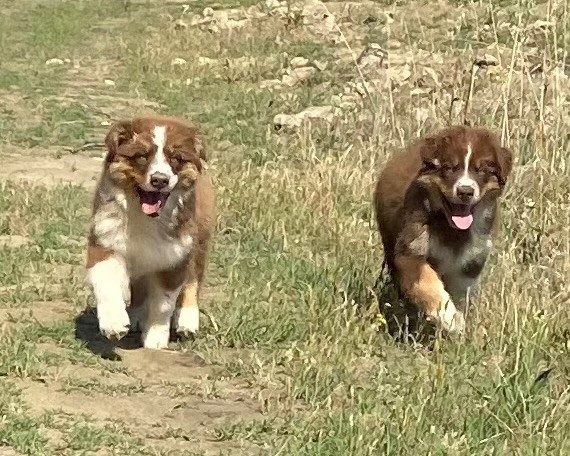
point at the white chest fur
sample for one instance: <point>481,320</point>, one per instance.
<point>149,247</point>
<point>144,242</point>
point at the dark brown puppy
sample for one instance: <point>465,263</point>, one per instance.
<point>437,208</point>
<point>153,217</point>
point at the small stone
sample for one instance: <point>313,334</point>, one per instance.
<point>54,62</point>
<point>109,82</point>
<point>297,62</point>
<point>178,61</point>
<point>318,114</point>
<point>298,75</point>
<point>206,61</point>
<point>272,4</point>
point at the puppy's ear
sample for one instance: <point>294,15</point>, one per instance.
<point>119,133</point>
<point>430,149</point>
<point>199,146</point>
<point>505,164</point>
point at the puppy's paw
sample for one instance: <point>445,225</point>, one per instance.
<point>113,322</point>
<point>187,321</point>
<point>449,318</point>
<point>156,337</point>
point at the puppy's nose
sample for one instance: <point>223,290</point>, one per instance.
<point>159,180</point>
<point>465,191</point>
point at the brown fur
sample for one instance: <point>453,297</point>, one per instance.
<point>188,212</point>
<point>410,203</point>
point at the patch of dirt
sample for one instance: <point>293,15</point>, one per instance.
<point>42,312</point>
<point>41,167</point>
<point>5,451</point>
<point>150,414</point>
<point>14,241</point>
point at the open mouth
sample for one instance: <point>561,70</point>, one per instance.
<point>460,215</point>
<point>151,202</point>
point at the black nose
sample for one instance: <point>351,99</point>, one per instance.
<point>465,191</point>
<point>159,180</point>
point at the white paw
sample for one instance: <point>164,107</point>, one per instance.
<point>187,321</point>
<point>156,337</point>
<point>113,321</point>
<point>451,319</point>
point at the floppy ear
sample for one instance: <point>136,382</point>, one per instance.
<point>199,146</point>
<point>429,152</point>
<point>119,133</point>
<point>505,164</point>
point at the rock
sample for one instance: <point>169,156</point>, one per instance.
<point>297,62</point>
<point>314,114</point>
<point>206,61</point>
<point>372,58</point>
<point>272,4</point>
<point>399,74</point>
<point>208,12</point>
<point>321,66</point>
<point>271,84</point>
<point>178,61</point>
<point>54,62</point>
<point>298,76</point>
<point>319,21</point>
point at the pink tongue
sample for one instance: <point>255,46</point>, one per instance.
<point>463,222</point>
<point>150,209</point>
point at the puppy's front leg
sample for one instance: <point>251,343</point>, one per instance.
<point>160,306</point>
<point>418,281</point>
<point>107,273</point>
<point>422,285</point>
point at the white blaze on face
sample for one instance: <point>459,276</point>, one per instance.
<point>466,180</point>
<point>159,163</point>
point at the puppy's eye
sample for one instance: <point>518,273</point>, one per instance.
<point>141,160</point>
<point>430,166</point>
<point>485,169</point>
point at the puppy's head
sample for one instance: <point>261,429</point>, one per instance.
<point>152,156</point>
<point>461,166</point>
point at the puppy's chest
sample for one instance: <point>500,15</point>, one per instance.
<point>150,248</point>
<point>453,259</point>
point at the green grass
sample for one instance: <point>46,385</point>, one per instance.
<point>297,360</point>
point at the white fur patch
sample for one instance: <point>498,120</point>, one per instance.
<point>188,320</point>
<point>160,306</point>
<point>156,337</point>
<point>149,247</point>
<point>159,163</point>
<point>111,286</point>
<point>466,180</point>
<point>450,318</point>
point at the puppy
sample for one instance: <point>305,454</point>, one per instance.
<point>436,207</point>
<point>153,217</point>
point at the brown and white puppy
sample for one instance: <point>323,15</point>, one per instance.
<point>437,211</point>
<point>153,217</point>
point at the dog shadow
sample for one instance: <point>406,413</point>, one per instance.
<point>87,331</point>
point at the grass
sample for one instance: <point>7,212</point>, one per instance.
<point>297,361</point>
